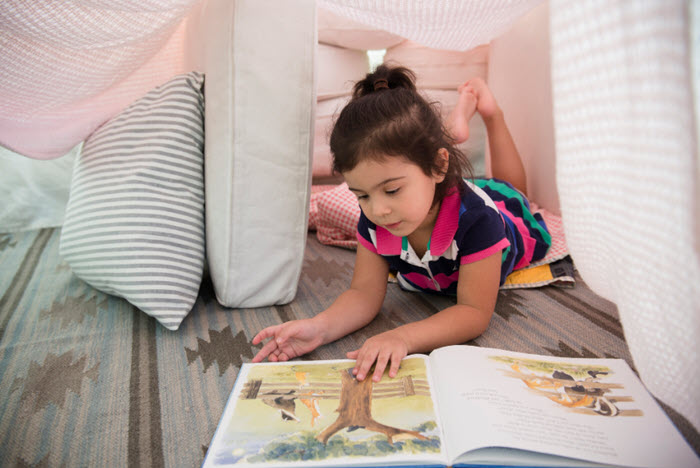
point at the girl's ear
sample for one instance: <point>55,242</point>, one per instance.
<point>443,161</point>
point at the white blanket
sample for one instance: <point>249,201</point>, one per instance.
<point>67,66</point>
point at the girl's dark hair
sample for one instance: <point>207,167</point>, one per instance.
<point>388,117</point>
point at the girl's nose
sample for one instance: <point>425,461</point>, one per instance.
<point>381,209</point>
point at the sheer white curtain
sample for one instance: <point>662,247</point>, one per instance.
<point>627,160</point>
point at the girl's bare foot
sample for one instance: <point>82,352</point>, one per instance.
<point>458,121</point>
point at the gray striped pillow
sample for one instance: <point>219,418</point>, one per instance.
<point>134,225</point>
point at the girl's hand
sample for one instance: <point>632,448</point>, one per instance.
<point>289,340</point>
<point>486,104</point>
<point>380,349</point>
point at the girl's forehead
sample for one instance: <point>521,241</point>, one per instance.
<point>383,163</point>
<point>370,172</point>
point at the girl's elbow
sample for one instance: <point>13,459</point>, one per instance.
<point>482,326</point>
<point>479,321</point>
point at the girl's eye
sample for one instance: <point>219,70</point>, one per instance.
<point>362,197</point>
<point>392,192</point>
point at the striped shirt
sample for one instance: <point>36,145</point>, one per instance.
<point>489,217</point>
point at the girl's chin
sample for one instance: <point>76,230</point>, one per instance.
<point>398,230</point>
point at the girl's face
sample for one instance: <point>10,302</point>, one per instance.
<point>395,194</point>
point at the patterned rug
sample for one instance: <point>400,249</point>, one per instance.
<point>88,380</point>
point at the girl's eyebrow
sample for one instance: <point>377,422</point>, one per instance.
<point>386,181</point>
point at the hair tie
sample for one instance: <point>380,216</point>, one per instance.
<point>380,84</point>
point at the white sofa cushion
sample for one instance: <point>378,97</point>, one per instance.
<point>259,129</point>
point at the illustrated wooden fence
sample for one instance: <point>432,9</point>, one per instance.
<point>405,386</point>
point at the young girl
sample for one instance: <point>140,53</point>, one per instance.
<point>442,233</point>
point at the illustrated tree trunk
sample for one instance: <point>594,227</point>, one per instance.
<point>355,410</point>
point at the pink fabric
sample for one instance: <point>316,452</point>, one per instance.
<point>558,249</point>
<point>387,243</point>
<point>528,242</point>
<point>424,282</point>
<point>367,244</point>
<point>446,224</point>
<point>482,254</point>
<point>67,66</point>
<point>334,214</point>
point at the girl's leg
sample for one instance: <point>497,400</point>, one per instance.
<point>505,162</point>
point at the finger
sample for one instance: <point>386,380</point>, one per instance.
<point>264,333</point>
<point>285,333</point>
<point>275,356</point>
<point>269,347</point>
<point>353,355</point>
<point>357,356</point>
<point>379,367</point>
<point>364,363</point>
<point>395,364</point>
<point>283,356</point>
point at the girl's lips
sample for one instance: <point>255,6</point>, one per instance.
<point>392,226</point>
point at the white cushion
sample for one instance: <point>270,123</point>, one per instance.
<point>259,124</point>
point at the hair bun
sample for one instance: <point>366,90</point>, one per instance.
<point>381,78</point>
<point>381,83</point>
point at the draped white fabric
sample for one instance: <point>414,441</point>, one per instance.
<point>627,173</point>
<point>68,65</point>
<point>443,24</point>
<point>627,165</point>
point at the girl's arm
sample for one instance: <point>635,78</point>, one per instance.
<point>357,306</point>
<point>477,291</point>
<point>352,310</point>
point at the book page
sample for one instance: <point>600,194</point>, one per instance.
<point>313,413</point>
<point>588,409</point>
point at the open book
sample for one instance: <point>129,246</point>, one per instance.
<point>459,406</point>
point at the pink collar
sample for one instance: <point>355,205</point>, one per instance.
<point>441,238</point>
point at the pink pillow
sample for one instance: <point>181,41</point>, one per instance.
<point>334,214</point>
